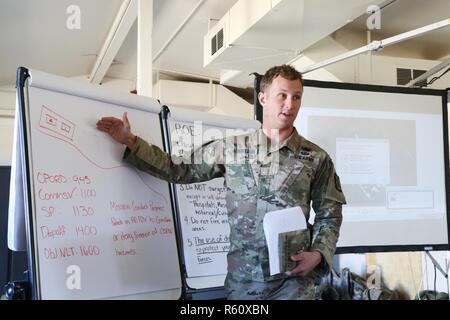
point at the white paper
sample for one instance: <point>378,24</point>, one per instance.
<point>276,222</point>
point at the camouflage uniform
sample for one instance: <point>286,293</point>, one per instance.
<point>260,178</point>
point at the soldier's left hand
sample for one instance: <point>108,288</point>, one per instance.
<point>306,262</point>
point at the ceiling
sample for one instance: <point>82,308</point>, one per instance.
<point>400,16</point>
<point>34,34</point>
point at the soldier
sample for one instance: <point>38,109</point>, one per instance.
<point>267,170</point>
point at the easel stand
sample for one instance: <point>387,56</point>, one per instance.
<point>436,264</point>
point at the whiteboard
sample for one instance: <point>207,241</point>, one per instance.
<point>389,149</point>
<point>201,206</point>
<point>100,228</point>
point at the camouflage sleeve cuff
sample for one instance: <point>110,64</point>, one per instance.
<point>142,155</point>
<point>147,157</point>
<point>327,257</point>
<point>326,228</point>
<point>139,142</point>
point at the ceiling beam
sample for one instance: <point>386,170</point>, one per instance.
<point>144,81</point>
<point>379,45</point>
<point>119,30</point>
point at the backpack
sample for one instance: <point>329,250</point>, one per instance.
<point>431,295</point>
<point>350,286</point>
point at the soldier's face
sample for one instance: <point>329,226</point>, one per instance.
<point>281,103</point>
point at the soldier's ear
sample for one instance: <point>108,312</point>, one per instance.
<point>262,98</point>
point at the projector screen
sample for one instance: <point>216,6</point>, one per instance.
<point>389,147</point>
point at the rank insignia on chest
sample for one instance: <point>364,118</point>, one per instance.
<point>308,157</point>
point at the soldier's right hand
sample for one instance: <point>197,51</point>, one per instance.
<point>119,130</point>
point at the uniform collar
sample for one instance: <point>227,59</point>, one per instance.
<point>293,142</point>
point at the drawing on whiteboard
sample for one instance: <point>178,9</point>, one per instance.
<point>57,124</point>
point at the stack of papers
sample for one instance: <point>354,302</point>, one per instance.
<point>280,221</point>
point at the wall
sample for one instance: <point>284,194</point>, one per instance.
<point>203,97</point>
<point>382,70</point>
<point>119,85</point>
<point>323,50</point>
<point>7,104</point>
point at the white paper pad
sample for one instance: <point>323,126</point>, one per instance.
<point>276,222</point>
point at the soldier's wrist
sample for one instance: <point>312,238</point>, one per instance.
<point>130,141</point>
<point>319,254</point>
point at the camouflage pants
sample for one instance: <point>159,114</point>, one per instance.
<point>296,288</point>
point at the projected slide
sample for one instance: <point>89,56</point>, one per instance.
<point>388,151</point>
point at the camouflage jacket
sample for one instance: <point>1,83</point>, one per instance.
<point>259,178</point>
